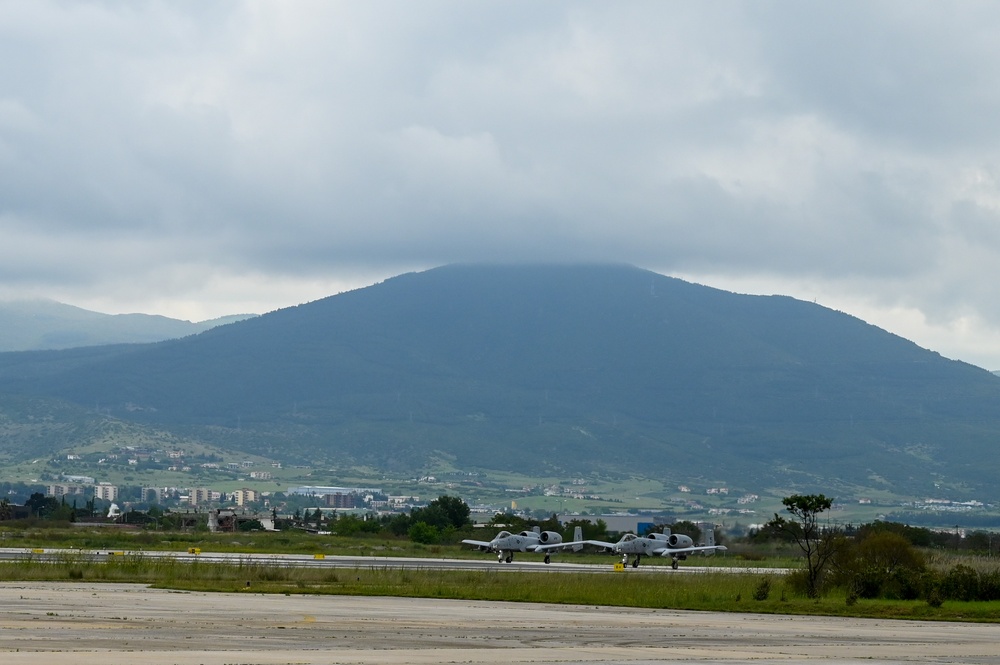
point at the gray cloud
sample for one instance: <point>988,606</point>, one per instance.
<point>243,155</point>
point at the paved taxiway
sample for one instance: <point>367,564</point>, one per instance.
<point>527,562</point>
<point>117,624</point>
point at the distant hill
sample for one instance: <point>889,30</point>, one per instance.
<point>558,369</point>
<point>32,325</point>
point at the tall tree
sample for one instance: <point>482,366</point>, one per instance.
<point>805,530</point>
<point>42,506</point>
<point>443,512</point>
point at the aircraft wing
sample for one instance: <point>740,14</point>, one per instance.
<point>478,543</point>
<point>599,543</point>
<point>572,543</point>
<point>558,546</point>
<point>667,551</point>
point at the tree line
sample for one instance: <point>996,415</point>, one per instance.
<point>876,560</point>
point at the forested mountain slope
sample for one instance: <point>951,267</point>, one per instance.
<point>31,325</point>
<point>557,368</point>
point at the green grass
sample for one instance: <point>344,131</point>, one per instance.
<point>288,542</point>
<point>718,591</point>
<point>723,592</point>
<point>300,542</point>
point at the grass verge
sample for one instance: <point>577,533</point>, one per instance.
<point>300,542</point>
<point>724,592</point>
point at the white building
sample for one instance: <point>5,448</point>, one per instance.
<point>106,491</point>
<point>199,495</point>
<point>58,490</point>
<point>244,496</point>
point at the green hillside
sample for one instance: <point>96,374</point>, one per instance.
<point>31,325</point>
<point>557,369</point>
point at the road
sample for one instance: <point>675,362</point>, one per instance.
<point>123,624</point>
<point>527,562</point>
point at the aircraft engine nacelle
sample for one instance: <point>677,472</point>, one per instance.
<point>680,540</point>
<point>549,538</point>
<point>662,537</point>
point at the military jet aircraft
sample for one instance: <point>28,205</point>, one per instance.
<point>548,542</point>
<point>676,546</point>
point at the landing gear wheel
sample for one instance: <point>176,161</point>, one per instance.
<point>674,564</point>
<point>510,557</point>
<point>547,559</point>
<point>500,557</point>
<point>635,564</point>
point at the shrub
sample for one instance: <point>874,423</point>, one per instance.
<point>424,533</point>
<point>844,565</point>
<point>961,583</point>
<point>763,590</point>
<point>867,582</point>
<point>905,584</point>
<point>889,552</point>
<point>798,582</point>
<point>989,585</point>
<point>883,565</point>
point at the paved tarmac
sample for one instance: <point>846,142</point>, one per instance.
<point>112,624</point>
<point>526,562</point>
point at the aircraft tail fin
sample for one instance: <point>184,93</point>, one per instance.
<point>578,536</point>
<point>709,532</point>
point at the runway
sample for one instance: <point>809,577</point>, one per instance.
<point>526,562</point>
<point>119,624</point>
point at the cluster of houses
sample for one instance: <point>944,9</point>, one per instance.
<point>948,506</point>
<point>172,460</point>
<point>169,460</point>
<point>82,486</point>
<point>576,492</point>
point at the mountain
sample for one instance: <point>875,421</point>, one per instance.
<point>31,325</point>
<point>556,369</point>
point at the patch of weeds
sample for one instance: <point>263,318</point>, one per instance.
<point>763,589</point>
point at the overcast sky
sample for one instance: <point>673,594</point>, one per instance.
<point>200,158</point>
